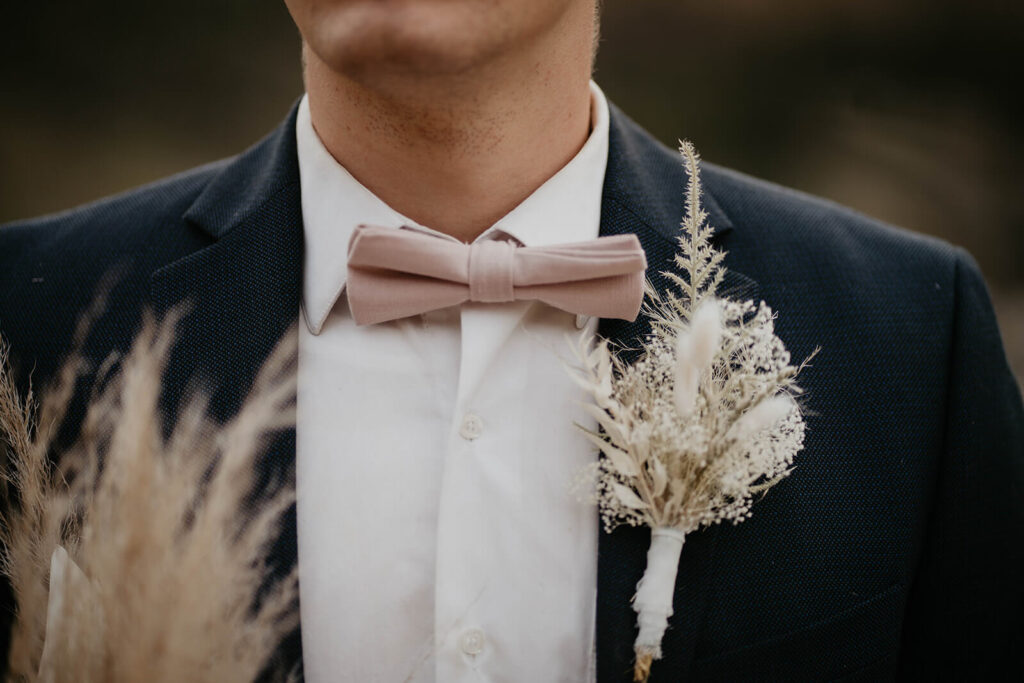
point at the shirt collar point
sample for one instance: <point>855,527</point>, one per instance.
<point>315,315</point>
<point>312,327</point>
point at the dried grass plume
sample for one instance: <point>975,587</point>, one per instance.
<point>158,546</point>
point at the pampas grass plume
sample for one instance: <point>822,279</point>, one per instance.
<point>167,538</point>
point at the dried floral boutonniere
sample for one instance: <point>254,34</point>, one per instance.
<point>690,432</point>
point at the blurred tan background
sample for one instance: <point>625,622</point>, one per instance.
<point>909,111</point>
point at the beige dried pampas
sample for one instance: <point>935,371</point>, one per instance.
<point>166,539</point>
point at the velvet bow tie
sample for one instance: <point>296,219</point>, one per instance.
<point>397,273</point>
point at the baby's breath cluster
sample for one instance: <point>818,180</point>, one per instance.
<point>666,467</point>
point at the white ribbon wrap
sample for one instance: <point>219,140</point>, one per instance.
<point>653,601</point>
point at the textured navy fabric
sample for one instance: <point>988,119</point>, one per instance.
<point>892,551</point>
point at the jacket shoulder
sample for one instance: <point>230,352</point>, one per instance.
<point>118,222</point>
<point>788,221</point>
<point>52,268</point>
<point>842,276</point>
<point>781,225</point>
<point>76,248</point>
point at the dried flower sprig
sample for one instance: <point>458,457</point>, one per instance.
<point>133,557</point>
<point>704,420</point>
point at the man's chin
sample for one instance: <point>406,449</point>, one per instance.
<point>398,62</point>
<point>411,42</point>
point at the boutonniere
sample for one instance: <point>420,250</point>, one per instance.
<point>703,421</point>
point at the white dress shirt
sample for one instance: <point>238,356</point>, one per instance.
<point>438,537</point>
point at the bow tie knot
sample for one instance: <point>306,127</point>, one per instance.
<point>397,273</point>
<point>492,272</point>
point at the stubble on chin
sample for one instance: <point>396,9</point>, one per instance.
<point>367,41</point>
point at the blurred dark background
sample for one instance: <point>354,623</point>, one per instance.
<point>909,111</point>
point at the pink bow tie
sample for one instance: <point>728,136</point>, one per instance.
<point>396,273</point>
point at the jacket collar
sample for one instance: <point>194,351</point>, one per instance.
<point>248,182</point>
<point>649,180</point>
<point>244,291</point>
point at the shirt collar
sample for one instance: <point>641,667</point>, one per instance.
<point>566,208</point>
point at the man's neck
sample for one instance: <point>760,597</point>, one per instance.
<point>457,152</point>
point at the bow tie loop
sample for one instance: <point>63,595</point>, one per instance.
<point>397,273</point>
<point>492,266</point>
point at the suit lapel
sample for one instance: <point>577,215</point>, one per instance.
<point>643,194</point>
<point>242,294</point>
<point>242,289</point>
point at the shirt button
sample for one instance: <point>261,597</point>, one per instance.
<point>472,642</point>
<point>472,426</point>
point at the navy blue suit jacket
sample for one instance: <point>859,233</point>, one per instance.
<point>893,550</point>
